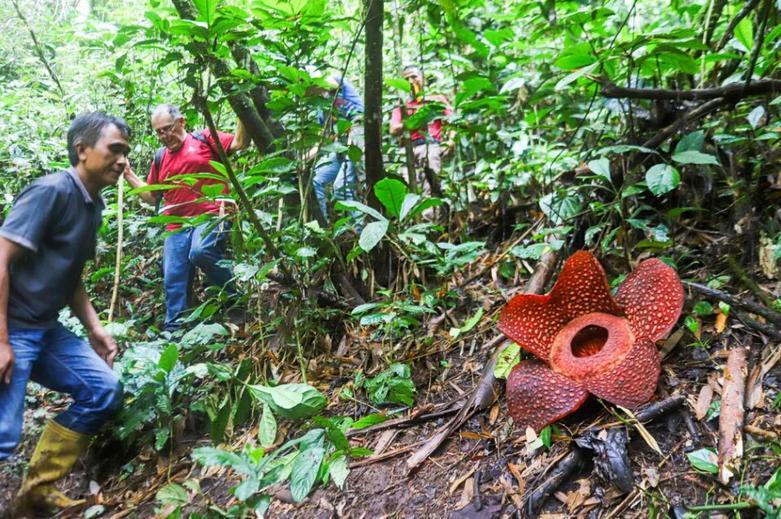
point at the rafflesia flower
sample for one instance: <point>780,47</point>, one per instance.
<point>588,342</point>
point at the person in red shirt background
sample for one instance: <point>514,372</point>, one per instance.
<point>427,143</point>
<point>187,247</point>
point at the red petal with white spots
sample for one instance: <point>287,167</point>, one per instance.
<point>582,287</point>
<point>652,297</point>
<point>633,381</point>
<point>532,322</point>
<point>536,396</point>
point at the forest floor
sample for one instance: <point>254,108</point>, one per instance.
<point>485,469</point>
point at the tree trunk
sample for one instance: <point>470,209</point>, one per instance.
<point>373,97</point>
<point>241,103</point>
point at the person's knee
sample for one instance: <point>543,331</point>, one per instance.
<point>199,255</point>
<point>109,397</point>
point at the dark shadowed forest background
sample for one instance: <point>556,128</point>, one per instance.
<point>630,128</point>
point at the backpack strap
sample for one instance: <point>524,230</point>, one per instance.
<point>200,137</point>
<point>158,160</point>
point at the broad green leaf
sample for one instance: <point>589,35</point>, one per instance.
<point>206,10</point>
<point>472,321</point>
<point>574,76</point>
<point>513,84</point>
<point>368,421</point>
<point>744,33</point>
<point>560,207</point>
<point>339,470</point>
<point>575,56</point>
<point>691,142</point>
<point>426,203</point>
<point>372,234</point>
<point>662,178</point>
<point>355,205</point>
<point>704,460</point>
<point>508,358</point>
<point>168,358</point>
<point>172,494</point>
<point>703,308</point>
<point>601,168</point>
<point>391,192</point>
<point>399,84</point>
<point>406,206</point>
<point>695,157</point>
<point>294,401</point>
<point>220,422</point>
<point>304,472</point>
<point>268,427</point>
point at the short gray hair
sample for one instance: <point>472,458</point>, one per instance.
<point>170,109</point>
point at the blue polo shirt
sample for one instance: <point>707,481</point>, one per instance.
<point>56,221</point>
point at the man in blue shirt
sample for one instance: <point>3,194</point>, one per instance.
<point>336,167</point>
<point>45,242</point>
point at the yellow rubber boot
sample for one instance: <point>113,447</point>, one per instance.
<point>54,456</point>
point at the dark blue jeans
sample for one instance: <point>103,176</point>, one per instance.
<point>203,247</point>
<point>59,360</point>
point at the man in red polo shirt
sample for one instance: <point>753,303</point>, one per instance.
<point>188,246</point>
<point>427,144</point>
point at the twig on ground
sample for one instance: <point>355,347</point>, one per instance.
<point>558,475</point>
<point>754,308</point>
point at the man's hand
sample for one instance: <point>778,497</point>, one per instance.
<point>6,362</point>
<point>103,344</point>
<point>448,147</point>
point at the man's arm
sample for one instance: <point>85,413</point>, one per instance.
<point>9,252</point>
<point>396,124</point>
<point>103,343</point>
<point>240,139</point>
<point>135,183</point>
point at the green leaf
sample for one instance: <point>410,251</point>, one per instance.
<point>695,157</point>
<point>372,234</point>
<point>391,193</point>
<point>601,168</point>
<point>358,206</point>
<point>508,358</point>
<point>293,401</point>
<point>368,421</point>
<point>423,205</point>
<point>304,472</point>
<point>220,422</point>
<point>574,76</point>
<point>206,10</point>
<point>400,84</point>
<point>268,428</point>
<point>339,470</point>
<point>662,178</point>
<point>168,358</point>
<point>172,494</point>
<point>545,435</point>
<point>472,321</point>
<point>406,206</point>
<point>704,460</point>
<point>691,142</point>
<point>560,207</point>
<point>744,33</point>
<point>703,308</point>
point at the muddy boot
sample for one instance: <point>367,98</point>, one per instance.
<point>54,456</point>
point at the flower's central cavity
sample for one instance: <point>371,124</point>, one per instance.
<point>589,341</point>
<point>590,344</point>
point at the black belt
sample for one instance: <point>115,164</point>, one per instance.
<point>419,142</point>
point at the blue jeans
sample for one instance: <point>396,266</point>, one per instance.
<point>61,361</point>
<point>203,247</point>
<point>339,170</point>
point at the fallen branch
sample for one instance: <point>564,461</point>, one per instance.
<point>732,92</point>
<point>487,389</point>
<point>564,468</point>
<point>731,415</point>
<point>405,421</point>
<point>770,331</point>
<point>767,313</point>
<point>570,463</point>
<point>689,117</point>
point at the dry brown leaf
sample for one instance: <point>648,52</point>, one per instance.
<point>703,402</point>
<point>457,483</point>
<point>493,414</point>
<point>731,415</point>
<point>721,321</point>
<point>650,440</point>
<point>467,494</point>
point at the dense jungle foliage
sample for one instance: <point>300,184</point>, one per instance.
<point>631,128</point>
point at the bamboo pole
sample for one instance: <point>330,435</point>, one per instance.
<point>120,238</point>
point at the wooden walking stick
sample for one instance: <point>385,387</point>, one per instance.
<point>120,236</point>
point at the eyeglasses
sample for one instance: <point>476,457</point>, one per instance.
<point>165,130</point>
